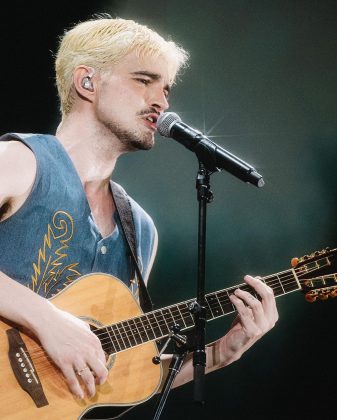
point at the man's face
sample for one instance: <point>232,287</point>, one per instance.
<point>131,98</point>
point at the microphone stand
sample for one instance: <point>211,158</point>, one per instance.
<point>212,158</point>
<point>182,344</point>
<point>204,195</point>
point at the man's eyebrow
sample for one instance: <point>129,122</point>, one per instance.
<point>153,76</point>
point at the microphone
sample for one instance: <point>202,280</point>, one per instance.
<point>214,157</point>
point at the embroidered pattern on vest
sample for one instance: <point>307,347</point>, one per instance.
<point>50,264</point>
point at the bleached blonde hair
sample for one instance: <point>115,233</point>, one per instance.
<point>104,41</point>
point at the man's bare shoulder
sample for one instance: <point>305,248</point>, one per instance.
<point>17,169</point>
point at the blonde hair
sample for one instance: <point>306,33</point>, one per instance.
<point>102,42</point>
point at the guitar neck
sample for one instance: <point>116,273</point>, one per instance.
<point>158,324</point>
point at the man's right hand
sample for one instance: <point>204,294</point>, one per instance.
<point>75,349</point>
<point>68,340</point>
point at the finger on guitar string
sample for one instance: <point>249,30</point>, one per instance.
<point>72,345</point>
<point>91,375</point>
<point>73,381</point>
<point>246,317</point>
<point>86,378</point>
<point>267,299</point>
<point>257,316</point>
<point>99,370</point>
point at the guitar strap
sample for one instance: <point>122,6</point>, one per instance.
<point>123,208</point>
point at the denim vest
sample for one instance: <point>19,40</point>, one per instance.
<point>52,239</point>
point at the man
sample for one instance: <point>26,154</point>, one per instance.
<point>113,78</point>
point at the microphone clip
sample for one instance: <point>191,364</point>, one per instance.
<point>180,341</point>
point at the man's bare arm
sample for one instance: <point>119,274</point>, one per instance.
<point>17,175</point>
<point>70,344</point>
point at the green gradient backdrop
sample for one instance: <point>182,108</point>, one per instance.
<point>262,80</point>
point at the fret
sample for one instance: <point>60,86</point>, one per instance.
<point>155,326</point>
<point>177,318</point>
<point>278,278</point>
<point>286,282</point>
<point>105,338</point>
<point>213,305</point>
<point>229,306</point>
<point>148,328</point>
<point>216,295</point>
<point>292,283</point>
<point>125,335</point>
<point>181,316</point>
<point>226,304</point>
<point>168,318</point>
<point>277,287</point>
<point>275,283</point>
<point>145,325</point>
<point>117,340</point>
<point>162,323</point>
<point>113,339</point>
<point>129,333</point>
<point>209,314</point>
<point>135,331</point>
<point>141,329</point>
<point>185,311</point>
<point>121,341</point>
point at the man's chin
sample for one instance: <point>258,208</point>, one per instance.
<point>142,144</point>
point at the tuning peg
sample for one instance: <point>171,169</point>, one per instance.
<point>294,262</point>
<point>310,297</point>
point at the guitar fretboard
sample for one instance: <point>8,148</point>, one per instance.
<point>159,323</point>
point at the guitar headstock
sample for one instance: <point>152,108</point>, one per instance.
<point>317,274</point>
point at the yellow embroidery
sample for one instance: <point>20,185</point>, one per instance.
<point>50,265</point>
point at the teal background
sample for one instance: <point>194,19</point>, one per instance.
<point>262,81</point>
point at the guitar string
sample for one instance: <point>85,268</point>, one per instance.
<point>217,294</point>
<point>178,310</point>
<point>183,313</point>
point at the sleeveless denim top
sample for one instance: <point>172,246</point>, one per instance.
<point>52,239</point>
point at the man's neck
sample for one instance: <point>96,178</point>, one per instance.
<point>93,155</point>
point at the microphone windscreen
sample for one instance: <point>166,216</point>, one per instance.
<point>165,122</point>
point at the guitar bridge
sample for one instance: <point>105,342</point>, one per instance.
<point>23,368</point>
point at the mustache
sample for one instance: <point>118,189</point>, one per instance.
<point>148,111</point>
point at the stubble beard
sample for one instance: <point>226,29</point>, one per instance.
<point>131,140</point>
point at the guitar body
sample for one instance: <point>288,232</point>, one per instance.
<point>99,299</point>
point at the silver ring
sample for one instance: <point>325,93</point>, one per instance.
<point>79,372</point>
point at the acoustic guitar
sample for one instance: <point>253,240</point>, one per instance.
<point>32,387</point>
